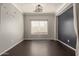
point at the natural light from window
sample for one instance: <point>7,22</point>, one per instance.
<point>39,27</point>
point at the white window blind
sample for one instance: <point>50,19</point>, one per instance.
<point>39,27</point>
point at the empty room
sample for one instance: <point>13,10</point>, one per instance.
<point>39,29</point>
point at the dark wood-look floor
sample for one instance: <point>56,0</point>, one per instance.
<point>39,48</point>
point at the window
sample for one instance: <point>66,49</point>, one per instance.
<point>39,27</point>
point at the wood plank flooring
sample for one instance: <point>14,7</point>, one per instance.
<point>40,48</point>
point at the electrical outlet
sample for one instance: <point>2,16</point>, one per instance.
<point>68,40</point>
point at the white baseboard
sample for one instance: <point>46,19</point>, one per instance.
<point>39,39</point>
<point>10,47</point>
<point>67,45</point>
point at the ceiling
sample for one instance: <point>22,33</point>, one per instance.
<point>30,7</point>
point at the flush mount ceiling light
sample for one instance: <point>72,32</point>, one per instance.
<point>38,8</point>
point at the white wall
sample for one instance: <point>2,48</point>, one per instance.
<point>11,27</point>
<point>51,26</point>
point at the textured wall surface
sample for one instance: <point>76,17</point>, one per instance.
<point>11,26</point>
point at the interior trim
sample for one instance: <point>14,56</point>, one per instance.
<point>16,7</point>
<point>11,47</point>
<point>63,8</point>
<point>67,45</point>
<point>39,39</point>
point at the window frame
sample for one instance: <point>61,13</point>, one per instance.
<point>39,20</point>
